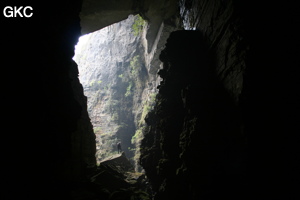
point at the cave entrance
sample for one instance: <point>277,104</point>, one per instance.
<point>118,85</point>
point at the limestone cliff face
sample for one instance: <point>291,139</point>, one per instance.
<point>117,82</point>
<point>102,60</point>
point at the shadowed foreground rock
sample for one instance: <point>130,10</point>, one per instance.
<point>193,148</point>
<point>114,179</point>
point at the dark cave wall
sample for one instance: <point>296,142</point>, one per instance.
<point>247,115</point>
<point>69,124</point>
<point>195,145</point>
<point>51,142</point>
<point>66,123</point>
<point>222,23</point>
<point>270,99</point>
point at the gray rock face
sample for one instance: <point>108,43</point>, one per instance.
<point>118,69</point>
<point>98,14</point>
<point>117,83</point>
<point>100,56</point>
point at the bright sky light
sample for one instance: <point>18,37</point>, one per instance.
<point>82,40</point>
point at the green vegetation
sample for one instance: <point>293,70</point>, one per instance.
<point>93,82</point>
<point>97,130</point>
<point>137,136</point>
<point>136,140</point>
<point>95,85</point>
<point>152,98</point>
<point>131,76</point>
<point>128,90</point>
<point>115,117</point>
<point>134,66</point>
<point>138,25</point>
<point>146,109</point>
<point>139,133</point>
<point>122,77</point>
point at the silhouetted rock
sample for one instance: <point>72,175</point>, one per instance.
<point>117,177</point>
<point>193,146</point>
<point>120,162</point>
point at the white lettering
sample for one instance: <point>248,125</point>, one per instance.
<point>9,13</point>
<point>17,11</point>
<point>27,7</point>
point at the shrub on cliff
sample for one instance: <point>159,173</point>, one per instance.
<point>138,25</point>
